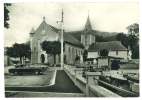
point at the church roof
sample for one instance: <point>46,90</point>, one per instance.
<point>68,38</point>
<point>88,26</point>
<point>46,27</point>
<point>72,40</point>
<point>111,46</point>
<point>54,28</point>
<point>76,34</point>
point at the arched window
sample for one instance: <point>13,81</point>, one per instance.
<point>72,50</point>
<point>69,49</point>
<point>77,52</point>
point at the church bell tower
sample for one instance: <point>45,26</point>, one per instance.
<point>87,36</point>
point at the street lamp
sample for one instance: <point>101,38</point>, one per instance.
<point>62,39</point>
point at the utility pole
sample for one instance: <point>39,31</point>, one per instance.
<point>62,39</point>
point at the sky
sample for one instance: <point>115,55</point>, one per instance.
<point>109,17</point>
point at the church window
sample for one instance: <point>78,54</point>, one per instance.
<point>72,50</point>
<point>69,49</point>
<point>85,39</point>
<point>76,51</point>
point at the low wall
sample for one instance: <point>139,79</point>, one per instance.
<point>101,92</point>
<point>80,83</point>
<point>91,90</point>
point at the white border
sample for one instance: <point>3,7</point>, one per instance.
<point>2,43</point>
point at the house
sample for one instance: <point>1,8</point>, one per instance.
<point>115,49</point>
<point>108,62</point>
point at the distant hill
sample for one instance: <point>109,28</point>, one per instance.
<point>105,34</point>
<point>100,36</point>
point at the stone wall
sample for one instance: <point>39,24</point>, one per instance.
<point>88,86</point>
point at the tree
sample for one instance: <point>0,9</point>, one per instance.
<point>19,50</point>
<point>123,38</point>
<point>135,52</point>
<point>133,36</point>
<point>133,41</point>
<point>52,47</point>
<point>6,15</point>
<point>133,29</point>
<point>10,52</point>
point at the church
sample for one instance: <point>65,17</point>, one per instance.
<point>75,43</point>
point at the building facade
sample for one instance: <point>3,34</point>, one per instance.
<point>114,48</point>
<point>75,42</point>
<point>46,32</point>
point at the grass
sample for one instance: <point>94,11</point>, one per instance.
<point>29,80</point>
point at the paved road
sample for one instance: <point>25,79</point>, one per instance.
<point>62,84</point>
<point>21,94</point>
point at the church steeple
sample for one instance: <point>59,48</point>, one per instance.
<point>87,36</point>
<point>88,26</point>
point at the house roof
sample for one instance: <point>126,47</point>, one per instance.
<point>111,46</point>
<point>109,57</point>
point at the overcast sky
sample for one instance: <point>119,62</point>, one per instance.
<point>110,17</point>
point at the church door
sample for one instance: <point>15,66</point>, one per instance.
<point>42,58</point>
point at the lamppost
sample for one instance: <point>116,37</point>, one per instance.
<point>62,39</point>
